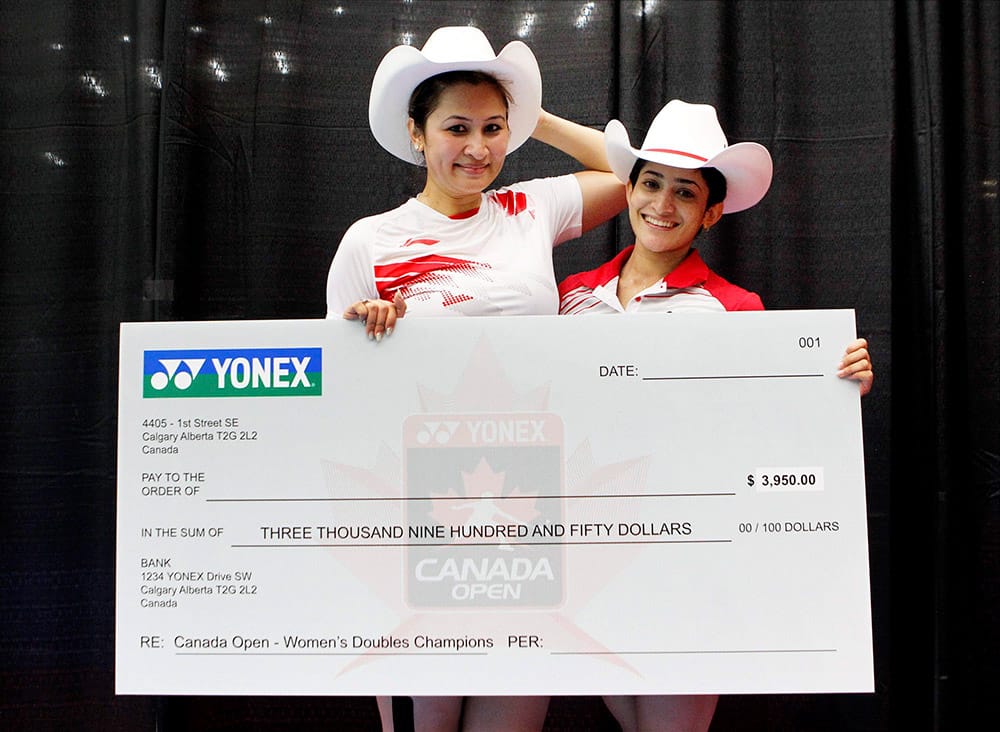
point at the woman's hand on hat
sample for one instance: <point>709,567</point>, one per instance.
<point>856,364</point>
<point>378,316</point>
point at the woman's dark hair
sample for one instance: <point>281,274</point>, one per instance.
<point>426,96</point>
<point>715,181</point>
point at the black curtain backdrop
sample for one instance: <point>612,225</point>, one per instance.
<point>200,160</point>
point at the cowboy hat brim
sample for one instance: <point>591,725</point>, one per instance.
<point>405,67</point>
<point>746,166</point>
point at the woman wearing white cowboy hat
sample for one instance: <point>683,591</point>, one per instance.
<point>678,184</point>
<point>457,108</point>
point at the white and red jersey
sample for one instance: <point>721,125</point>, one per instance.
<point>495,260</point>
<point>691,286</point>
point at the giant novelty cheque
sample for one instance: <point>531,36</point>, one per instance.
<point>661,504</point>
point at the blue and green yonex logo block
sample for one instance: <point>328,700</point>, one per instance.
<point>233,372</point>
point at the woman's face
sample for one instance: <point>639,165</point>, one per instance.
<point>667,207</point>
<point>464,140</point>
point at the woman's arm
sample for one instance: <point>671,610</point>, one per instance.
<point>584,144</point>
<point>350,286</point>
<point>603,193</point>
<point>351,276</point>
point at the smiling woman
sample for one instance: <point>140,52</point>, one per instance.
<point>457,109</point>
<point>680,183</point>
<point>457,249</point>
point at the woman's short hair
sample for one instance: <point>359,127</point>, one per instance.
<point>427,95</point>
<point>715,181</point>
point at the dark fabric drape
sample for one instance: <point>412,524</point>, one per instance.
<point>945,313</point>
<point>200,159</point>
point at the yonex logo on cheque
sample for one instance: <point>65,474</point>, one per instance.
<point>233,372</point>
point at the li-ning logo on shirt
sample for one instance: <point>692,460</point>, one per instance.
<point>233,372</point>
<point>415,240</point>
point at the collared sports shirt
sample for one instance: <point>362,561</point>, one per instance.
<point>691,286</point>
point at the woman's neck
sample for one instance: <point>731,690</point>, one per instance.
<point>644,269</point>
<point>449,205</point>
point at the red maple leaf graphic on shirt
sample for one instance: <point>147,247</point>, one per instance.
<point>513,202</point>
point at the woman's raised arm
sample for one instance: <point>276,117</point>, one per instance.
<point>603,193</point>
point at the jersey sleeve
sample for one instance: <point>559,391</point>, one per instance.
<point>560,201</point>
<point>733,297</point>
<point>351,277</point>
<point>747,300</point>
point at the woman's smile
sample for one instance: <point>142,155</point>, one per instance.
<point>659,223</point>
<point>475,169</point>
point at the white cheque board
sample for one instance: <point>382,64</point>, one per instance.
<point>531,505</point>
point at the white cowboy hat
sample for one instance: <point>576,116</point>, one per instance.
<point>689,136</point>
<point>452,49</point>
